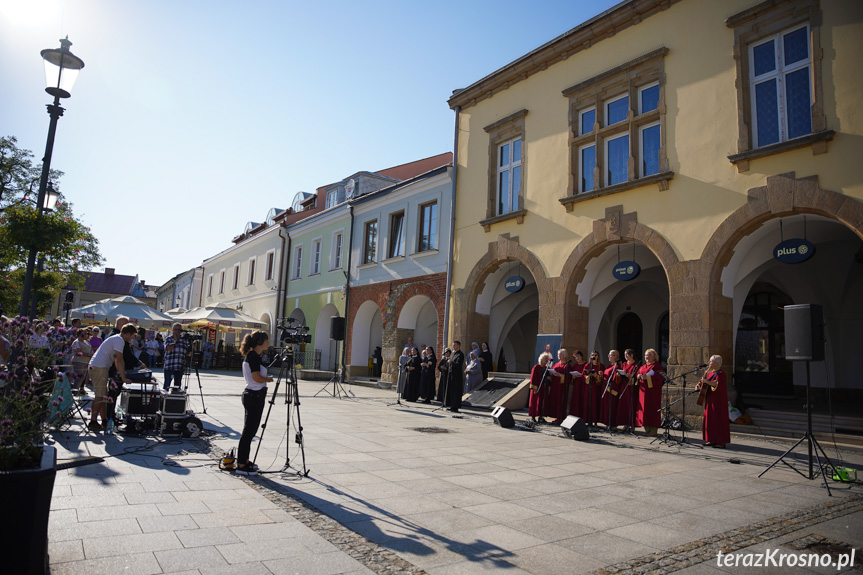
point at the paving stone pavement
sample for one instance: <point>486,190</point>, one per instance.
<point>410,489</point>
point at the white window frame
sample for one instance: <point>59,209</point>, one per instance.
<point>510,167</point>
<point>336,250</point>
<point>270,259</point>
<point>222,280</point>
<point>210,285</point>
<point>420,226</point>
<point>297,269</point>
<point>315,258</point>
<point>581,168</point>
<point>611,101</point>
<point>253,265</point>
<point>332,198</point>
<point>607,164</point>
<point>641,131</point>
<point>236,281</point>
<point>401,243</point>
<point>581,113</point>
<point>641,89</point>
<point>364,245</point>
<point>780,72</point>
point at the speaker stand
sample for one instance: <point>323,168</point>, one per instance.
<point>811,442</point>
<point>338,390</point>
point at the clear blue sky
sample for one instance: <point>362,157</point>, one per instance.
<point>193,117</point>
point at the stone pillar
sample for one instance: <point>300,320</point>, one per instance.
<point>394,340</point>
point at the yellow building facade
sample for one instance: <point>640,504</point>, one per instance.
<point>690,137</point>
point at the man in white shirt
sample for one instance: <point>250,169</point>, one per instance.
<point>109,353</point>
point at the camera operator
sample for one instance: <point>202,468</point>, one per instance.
<point>254,396</point>
<point>177,350</point>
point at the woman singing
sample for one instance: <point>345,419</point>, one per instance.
<point>254,396</point>
<point>576,396</point>
<point>486,361</point>
<point>716,429</point>
<point>593,377</point>
<point>414,370</point>
<point>651,376</point>
<point>539,382</point>
<point>560,382</point>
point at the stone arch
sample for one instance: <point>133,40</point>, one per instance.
<point>783,195</point>
<point>616,228</point>
<point>468,325</point>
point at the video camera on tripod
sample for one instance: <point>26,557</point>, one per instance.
<point>191,336</point>
<point>291,331</point>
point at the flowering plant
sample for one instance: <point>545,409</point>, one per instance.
<point>26,383</point>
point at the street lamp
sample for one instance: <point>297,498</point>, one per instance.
<point>61,71</point>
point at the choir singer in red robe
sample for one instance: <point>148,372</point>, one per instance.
<point>716,430</point>
<point>539,382</point>
<point>590,401</point>
<point>651,376</point>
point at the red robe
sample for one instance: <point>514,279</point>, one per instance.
<point>578,394</point>
<point>592,392</point>
<point>716,428</point>
<point>557,393</point>
<point>650,396</point>
<point>538,393</point>
<point>611,412</point>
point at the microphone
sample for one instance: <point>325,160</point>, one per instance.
<point>702,366</point>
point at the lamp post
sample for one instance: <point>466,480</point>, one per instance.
<point>51,197</point>
<point>61,71</point>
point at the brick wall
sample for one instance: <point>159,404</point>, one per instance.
<point>390,297</point>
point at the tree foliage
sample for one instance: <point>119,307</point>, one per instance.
<point>66,244</point>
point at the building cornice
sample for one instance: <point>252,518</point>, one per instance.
<point>582,37</point>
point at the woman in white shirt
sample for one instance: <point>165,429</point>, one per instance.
<point>254,396</point>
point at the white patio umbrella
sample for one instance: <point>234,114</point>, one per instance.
<point>220,317</point>
<point>176,311</point>
<point>107,311</point>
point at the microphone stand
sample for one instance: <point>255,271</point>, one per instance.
<point>591,424</point>
<point>633,378</point>
<point>682,400</point>
<point>612,404</point>
<point>539,393</point>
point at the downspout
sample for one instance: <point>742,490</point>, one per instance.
<point>348,287</point>
<point>279,298</point>
<point>283,272</point>
<point>446,305</point>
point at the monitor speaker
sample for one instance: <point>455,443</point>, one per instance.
<point>574,426</point>
<point>337,328</point>
<point>804,332</point>
<point>503,417</point>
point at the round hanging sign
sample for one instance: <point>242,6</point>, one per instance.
<point>514,284</point>
<point>625,271</point>
<point>793,251</point>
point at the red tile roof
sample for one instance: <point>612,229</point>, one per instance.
<point>414,169</point>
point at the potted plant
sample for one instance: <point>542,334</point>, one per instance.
<point>27,466</point>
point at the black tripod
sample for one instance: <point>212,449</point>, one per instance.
<point>187,375</point>
<point>338,390</point>
<point>809,438</point>
<point>292,400</point>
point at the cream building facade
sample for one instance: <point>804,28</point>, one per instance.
<point>690,137</point>
<point>249,275</point>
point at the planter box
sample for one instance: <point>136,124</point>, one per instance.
<point>25,498</point>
